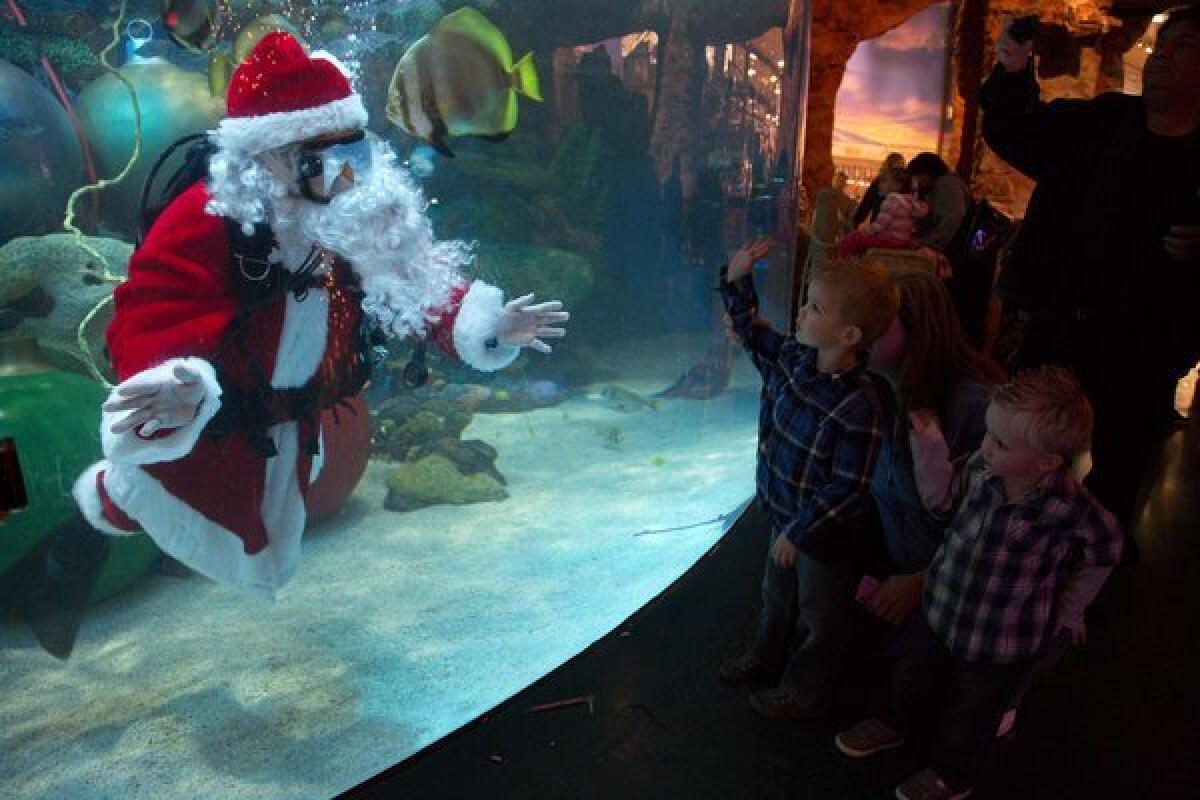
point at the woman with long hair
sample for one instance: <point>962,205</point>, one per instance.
<point>931,371</point>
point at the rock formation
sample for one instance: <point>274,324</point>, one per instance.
<point>70,278</point>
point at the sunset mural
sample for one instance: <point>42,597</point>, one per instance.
<point>891,97</point>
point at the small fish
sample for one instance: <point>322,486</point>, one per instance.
<point>611,436</point>
<point>15,128</point>
<point>460,80</point>
<point>709,378</point>
<point>192,24</point>
<point>625,401</point>
<point>257,29</point>
<point>420,161</point>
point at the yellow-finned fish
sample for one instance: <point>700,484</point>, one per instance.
<point>257,29</point>
<point>192,23</point>
<point>460,80</point>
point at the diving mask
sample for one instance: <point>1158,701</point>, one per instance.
<point>326,161</point>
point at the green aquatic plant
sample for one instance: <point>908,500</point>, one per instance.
<point>16,48</point>
<point>69,54</point>
<point>658,461</point>
<point>69,220</point>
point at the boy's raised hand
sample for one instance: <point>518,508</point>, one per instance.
<point>925,435</point>
<point>784,552</point>
<point>742,263</point>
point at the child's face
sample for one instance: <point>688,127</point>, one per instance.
<point>888,185</point>
<point>819,323</point>
<point>1006,448</point>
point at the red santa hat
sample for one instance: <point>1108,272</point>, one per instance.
<point>280,95</point>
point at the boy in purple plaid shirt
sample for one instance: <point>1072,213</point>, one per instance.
<point>818,441</point>
<point>1025,553</point>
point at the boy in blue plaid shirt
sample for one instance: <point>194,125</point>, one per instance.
<point>818,440</point>
<point>1025,553</point>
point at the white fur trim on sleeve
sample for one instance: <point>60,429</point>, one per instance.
<point>87,497</point>
<point>129,448</point>
<point>477,320</point>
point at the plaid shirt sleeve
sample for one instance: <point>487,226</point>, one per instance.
<point>1098,535</point>
<point>761,341</point>
<point>856,449</point>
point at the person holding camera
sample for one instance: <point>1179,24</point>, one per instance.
<point>1106,267</point>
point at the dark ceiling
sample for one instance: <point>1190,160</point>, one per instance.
<point>1134,6</point>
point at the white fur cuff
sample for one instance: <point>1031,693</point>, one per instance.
<point>87,497</point>
<point>130,448</point>
<point>254,135</point>
<point>477,320</point>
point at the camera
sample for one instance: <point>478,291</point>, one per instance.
<point>1023,29</point>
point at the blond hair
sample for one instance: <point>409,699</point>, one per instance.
<point>869,297</point>
<point>1060,416</point>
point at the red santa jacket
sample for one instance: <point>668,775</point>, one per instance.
<point>215,503</point>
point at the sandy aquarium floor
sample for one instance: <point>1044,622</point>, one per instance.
<point>397,629</point>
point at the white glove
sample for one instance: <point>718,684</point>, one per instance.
<point>155,403</point>
<point>525,325</point>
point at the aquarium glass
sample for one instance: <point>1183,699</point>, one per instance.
<point>468,530</point>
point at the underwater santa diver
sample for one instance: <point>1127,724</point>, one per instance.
<point>251,306</point>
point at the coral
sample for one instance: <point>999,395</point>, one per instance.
<point>70,55</point>
<point>434,480</point>
<point>16,46</point>
<point>67,274</point>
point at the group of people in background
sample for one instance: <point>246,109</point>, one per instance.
<point>908,479</point>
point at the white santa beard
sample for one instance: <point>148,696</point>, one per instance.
<point>380,227</point>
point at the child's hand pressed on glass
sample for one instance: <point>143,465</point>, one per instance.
<point>742,263</point>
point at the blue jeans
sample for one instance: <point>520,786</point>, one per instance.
<point>808,625</point>
<point>959,702</point>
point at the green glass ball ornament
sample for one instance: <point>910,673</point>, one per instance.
<point>172,103</point>
<point>41,162</point>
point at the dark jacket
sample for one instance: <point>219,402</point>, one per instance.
<point>1090,246</point>
<point>950,204</point>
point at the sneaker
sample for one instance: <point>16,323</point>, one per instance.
<point>867,738</point>
<point>926,785</point>
<point>743,669</point>
<point>783,703</point>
